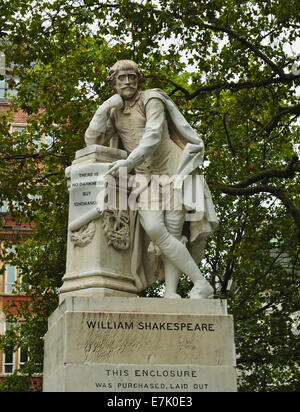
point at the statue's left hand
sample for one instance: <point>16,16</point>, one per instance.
<point>114,170</point>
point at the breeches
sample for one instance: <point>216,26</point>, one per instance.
<point>158,224</point>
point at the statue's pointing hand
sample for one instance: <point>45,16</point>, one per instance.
<point>116,167</point>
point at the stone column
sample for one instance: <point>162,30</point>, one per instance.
<point>98,256</point>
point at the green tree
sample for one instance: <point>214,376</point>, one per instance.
<point>229,66</point>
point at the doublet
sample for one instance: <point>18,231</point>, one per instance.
<point>133,122</point>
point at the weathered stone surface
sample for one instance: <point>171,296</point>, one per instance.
<point>121,344</point>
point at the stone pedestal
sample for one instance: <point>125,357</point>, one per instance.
<point>94,266</point>
<point>139,345</point>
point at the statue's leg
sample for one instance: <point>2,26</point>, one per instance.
<point>154,225</point>
<point>172,274</point>
<point>174,221</point>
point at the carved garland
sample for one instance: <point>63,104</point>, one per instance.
<point>116,229</point>
<point>84,235</point>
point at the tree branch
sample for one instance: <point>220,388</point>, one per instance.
<point>232,260</point>
<point>41,179</point>
<point>282,77</point>
<point>30,156</point>
<point>231,33</point>
<point>228,137</point>
<point>263,188</point>
<point>234,87</point>
<point>182,89</point>
<point>287,173</point>
<point>276,69</point>
<point>244,187</point>
<point>276,118</point>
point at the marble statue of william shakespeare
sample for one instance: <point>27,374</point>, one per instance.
<point>159,142</point>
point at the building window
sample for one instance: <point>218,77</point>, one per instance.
<point>12,359</point>
<point>18,129</point>
<point>4,207</point>
<point>10,278</point>
<point>35,139</point>
<point>23,356</point>
<point>8,357</point>
<point>3,84</point>
<point>14,205</point>
<point>2,64</point>
<point>3,89</point>
<point>9,360</point>
<point>10,274</point>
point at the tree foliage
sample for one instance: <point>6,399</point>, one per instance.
<point>231,68</point>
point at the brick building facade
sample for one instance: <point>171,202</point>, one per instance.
<point>9,232</point>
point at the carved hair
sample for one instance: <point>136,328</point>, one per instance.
<point>124,65</point>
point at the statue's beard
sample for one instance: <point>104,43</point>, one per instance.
<point>128,92</point>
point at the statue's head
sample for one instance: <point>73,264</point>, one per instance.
<point>125,78</point>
